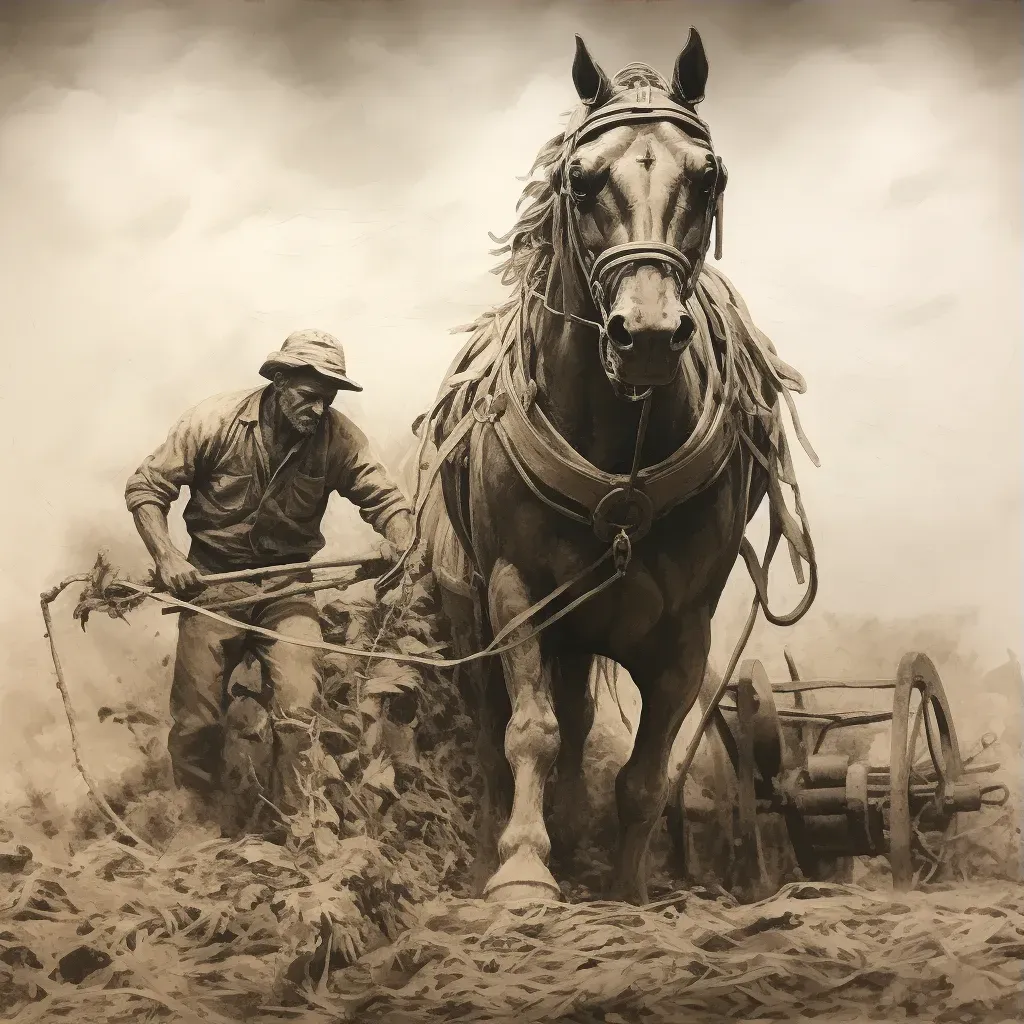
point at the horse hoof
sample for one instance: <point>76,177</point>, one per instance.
<point>513,892</point>
<point>522,877</point>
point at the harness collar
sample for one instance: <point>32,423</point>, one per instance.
<point>568,482</point>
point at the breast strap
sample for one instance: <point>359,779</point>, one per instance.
<point>544,457</point>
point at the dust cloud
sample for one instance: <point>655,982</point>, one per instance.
<point>181,185</point>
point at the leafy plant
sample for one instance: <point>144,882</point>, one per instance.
<point>105,591</point>
<point>360,913</point>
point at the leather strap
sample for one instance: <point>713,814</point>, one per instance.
<point>616,114</point>
<point>451,442</point>
<point>540,452</point>
<point>616,256</point>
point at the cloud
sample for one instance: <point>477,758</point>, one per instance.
<point>182,185</point>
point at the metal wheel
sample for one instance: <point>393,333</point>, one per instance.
<point>924,766</point>
<point>700,826</point>
<point>750,744</point>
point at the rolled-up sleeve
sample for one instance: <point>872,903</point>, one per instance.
<point>366,483</point>
<point>158,481</point>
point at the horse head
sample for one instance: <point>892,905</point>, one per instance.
<point>640,187</point>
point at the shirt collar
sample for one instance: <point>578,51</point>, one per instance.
<point>251,406</point>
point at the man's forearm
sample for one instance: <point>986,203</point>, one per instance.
<point>398,530</point>
<point>151,522</point>
<point>173,569</point>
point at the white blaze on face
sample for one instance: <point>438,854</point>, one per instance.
<point>636,184</point>
<point>644,183</point>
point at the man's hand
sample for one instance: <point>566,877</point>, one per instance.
<point>178,575</point>
<point>173,570</point>
<point>389,552</point>
<point>416,564</point>
<point>400,532</point>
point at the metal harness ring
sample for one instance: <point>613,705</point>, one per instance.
<point>623,511</point>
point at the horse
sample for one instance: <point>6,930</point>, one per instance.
<point>600,444</point>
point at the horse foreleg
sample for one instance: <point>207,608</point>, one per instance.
<point>482,688</point>
<point>492,716</point>
<point>668,686</point>
<point>531,745</point>
<point>574,705</point>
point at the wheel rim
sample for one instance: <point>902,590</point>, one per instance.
<point>939,765</point>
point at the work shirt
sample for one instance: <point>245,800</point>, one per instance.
<point>240,514</point>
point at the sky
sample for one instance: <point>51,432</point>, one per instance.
<point>181,185</point>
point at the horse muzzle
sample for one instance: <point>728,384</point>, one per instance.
<point>648,330</point>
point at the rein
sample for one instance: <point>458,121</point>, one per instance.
<point>499,397</point>
<point>499,645</point>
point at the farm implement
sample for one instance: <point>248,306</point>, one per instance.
<point>787,763</point>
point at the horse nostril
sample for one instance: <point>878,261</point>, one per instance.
<point>617,332</point>
<point>683,333</point>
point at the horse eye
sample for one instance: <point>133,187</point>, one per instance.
<point>586,186</point>
<point>578,184</point>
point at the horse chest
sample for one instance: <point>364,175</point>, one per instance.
<point>678,571</point>
<point>679,568</point>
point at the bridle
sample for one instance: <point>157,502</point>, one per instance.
<point>505,395</point>
<point>628,502</point>
<point>599,271</point>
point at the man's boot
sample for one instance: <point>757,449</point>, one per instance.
<point>246,766</point>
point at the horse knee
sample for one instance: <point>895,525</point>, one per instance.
<point>532,736</point>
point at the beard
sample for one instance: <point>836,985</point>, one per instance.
<point>300,418</point>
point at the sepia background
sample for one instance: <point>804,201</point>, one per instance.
<point>181,185</point>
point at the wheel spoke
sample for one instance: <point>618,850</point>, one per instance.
<point>915,737</point>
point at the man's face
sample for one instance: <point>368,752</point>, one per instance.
<point>303,398</point>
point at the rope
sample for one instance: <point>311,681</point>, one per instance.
<point>492,649</point>
<point>496,647</point>
<point>712,705</point>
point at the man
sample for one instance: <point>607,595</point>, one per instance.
<point>261,466</point>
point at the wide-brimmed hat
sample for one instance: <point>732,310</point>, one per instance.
<point>311,350</point>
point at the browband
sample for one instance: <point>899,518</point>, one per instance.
<point>615,115</point>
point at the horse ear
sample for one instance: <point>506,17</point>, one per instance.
<point>592,84</point>
<point>691,74</point>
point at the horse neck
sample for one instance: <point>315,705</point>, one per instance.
<point>577,397</point>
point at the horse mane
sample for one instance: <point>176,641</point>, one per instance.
<point>528,243</point>
<point>528,248</point>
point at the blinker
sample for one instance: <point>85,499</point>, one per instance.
<point>723,180</point>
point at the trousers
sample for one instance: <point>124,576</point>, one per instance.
<point>205,712</point>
